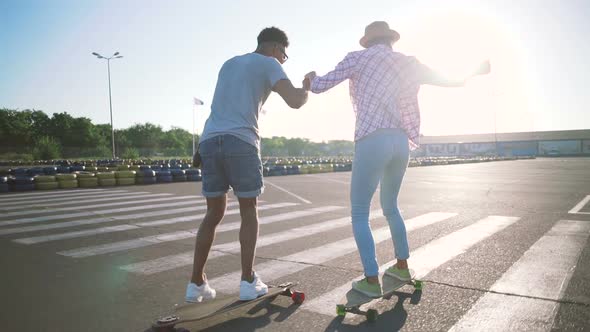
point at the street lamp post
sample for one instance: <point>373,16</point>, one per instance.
<point>114,56</point>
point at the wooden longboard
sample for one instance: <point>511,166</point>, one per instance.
<point>194,312</point>
<point>353,299</point>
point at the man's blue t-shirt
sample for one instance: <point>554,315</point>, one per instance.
<point>243,85</point>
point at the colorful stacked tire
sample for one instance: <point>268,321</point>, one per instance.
<point>18,172</point>
<point>3,184</point>
<point>123,168</point>
<point>21,183</point>
<point>32,172</point>
<point>63,169</point>
<point>52,170</point>
<point>125,178</point>
<point>293,169</point>
<point>193,174</point>
<point>103,169</point>
<point>106,179</point>
<point>178,175</point>
<point>146,176</point>
<point>164,176</point>
<point>67,181</point>
<point>87,180</point>
<point>78,168</point>
<point>46,182</point>
<point>279,170</point>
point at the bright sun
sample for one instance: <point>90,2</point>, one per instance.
<point>454,43</point>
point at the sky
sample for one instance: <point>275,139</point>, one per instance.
<point>173,51</point>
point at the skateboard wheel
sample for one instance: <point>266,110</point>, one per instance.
<point>298,297</point>
<point>372,315</point>
<point>418,284</point>
<point>340,311</point>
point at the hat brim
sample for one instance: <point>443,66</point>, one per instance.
<point>392,34</point>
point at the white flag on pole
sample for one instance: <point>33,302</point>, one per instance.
<point>198,101</point>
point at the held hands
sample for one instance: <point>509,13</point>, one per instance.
<point>307,80</point>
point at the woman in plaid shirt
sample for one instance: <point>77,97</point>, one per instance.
<point>384,87</point>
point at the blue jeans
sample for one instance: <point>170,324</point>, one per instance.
<point>381,156</point>
<point>227,161</point>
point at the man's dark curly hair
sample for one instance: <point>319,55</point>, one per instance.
<point>273,35</point>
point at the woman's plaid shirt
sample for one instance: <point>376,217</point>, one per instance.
<point>384,89</point>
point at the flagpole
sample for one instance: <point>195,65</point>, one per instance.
<point>193,129</point>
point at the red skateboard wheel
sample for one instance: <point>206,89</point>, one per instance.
<point>298,297</point>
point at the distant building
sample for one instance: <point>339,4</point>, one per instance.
<point>540,143</point>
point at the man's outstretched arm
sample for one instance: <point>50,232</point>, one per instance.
<point>294,97</point>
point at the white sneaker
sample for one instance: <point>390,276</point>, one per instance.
<point>196,293</point>
<point>250,291</point>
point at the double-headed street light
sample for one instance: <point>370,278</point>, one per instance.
<point>114,56</point>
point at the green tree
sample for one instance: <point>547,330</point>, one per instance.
<point>46,148</point>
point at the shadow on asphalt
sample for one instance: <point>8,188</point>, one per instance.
<point>244,323</point>
<point>391,320</point>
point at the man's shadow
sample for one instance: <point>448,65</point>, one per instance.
<point>249,321</point>
<point>391,320</point>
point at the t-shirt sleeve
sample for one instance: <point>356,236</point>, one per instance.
<point>275,72</point>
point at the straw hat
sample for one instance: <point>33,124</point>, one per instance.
<point>378,29</point>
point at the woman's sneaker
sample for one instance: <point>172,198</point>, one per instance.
<point>196,293</point>
<point>371,290</point>
<point>250,291</point>
<point>401,274</point>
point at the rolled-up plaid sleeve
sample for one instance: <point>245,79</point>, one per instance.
<point>343,71</point>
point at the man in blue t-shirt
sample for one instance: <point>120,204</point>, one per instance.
<point>230,153</point>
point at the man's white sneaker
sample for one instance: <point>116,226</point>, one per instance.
<point>250,291</point>
<point>196,293</point>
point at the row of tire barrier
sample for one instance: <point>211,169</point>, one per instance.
<point>278,170</point>
<point>105,174</point>
<point>84,179</point>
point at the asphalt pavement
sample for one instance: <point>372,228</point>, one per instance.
<point>500,246</point>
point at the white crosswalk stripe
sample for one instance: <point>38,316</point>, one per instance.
<point>184,219</point>
<point>526,295</point>
<point>176,261</point>
<point>186,258</point>
<point>161,198</point>
<point>101,212</point>
<point>59,198</point>
<point>92,221</point>
<point>542,272</point>
<point>425,258</point>
<point>12,196</point>
<point>275,269</point>
<point>68,201</point>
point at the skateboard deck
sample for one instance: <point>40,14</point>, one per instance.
<point>193,312</point>
<point>353,299</point>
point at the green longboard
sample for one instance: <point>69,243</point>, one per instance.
<point>353,299</point>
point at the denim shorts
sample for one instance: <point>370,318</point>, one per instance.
<point>228,161</point>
